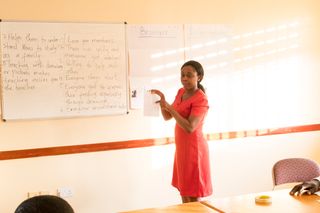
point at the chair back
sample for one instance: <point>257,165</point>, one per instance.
<point>292,170</point>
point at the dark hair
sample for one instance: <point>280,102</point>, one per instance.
<point>44,204</point>
<point>199,69</point>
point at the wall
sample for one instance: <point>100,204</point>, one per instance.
<point>139,178</point>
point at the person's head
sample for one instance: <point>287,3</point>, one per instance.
<point>192,74</point>
<point>44,204</point>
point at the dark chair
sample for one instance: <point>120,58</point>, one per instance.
<point>291,170</point>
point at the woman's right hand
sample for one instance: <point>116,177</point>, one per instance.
<point>162,100</point>
<point>157,92</point>
<point>165,107</point>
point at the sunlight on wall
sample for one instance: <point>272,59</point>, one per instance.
<point>251,78</point>
<point>243,49</point>
<point>261,88</point>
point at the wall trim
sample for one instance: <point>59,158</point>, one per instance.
<point>128,144</point>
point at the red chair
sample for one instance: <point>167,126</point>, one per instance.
<point>292,170</point>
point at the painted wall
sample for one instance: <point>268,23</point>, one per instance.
<point>139,178</point>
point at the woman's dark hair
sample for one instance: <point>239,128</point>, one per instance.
<point>44,204</point>
<point>199,69</point>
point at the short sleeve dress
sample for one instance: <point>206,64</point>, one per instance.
<point>191,170</point>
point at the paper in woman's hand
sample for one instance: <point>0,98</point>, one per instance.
<point>151,106</point>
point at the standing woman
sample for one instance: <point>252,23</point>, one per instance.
<point>191,170</point>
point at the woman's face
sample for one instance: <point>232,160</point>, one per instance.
<point>189,78</point>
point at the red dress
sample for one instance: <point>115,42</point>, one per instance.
<point>191,170</point>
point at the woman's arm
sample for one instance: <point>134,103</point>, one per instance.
<point>165,113</point>
<point>189,124</point>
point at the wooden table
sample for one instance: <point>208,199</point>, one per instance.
<point>186,208</point>
<point>281,202</point>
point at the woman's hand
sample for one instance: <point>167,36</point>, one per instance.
<point>161,95</point>
<point>165,107</point>
<point>157,92</point>
<point>307,187</point>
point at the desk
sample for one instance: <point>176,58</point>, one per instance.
<point>186,208</point>
<point>281,202</point>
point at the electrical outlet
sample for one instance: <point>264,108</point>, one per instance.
<point>64,192</point>
<point>33,194</point>
<point>44,193</point>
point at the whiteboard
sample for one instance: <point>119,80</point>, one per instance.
<point>63,69</point>
<point>156,53</point>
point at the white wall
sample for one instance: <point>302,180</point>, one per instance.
<point>139,178</point>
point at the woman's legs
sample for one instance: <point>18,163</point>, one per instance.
<point>187,199</point>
